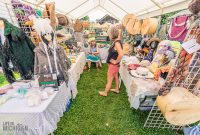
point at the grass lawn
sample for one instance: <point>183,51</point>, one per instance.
<point>91,114</point>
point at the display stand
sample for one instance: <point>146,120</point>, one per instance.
<point>155,118</point>
<point>7,12</point>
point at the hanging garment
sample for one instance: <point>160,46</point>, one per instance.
<point>178,29</point>
<point>17,49</point>
<point>42,65</point>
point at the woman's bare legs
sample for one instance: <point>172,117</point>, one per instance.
<point>108,85</point>
<point>117,83</point>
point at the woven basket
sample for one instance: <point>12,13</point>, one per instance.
<point>149,26</point>
<point>62,19</point>
<point>134,26</point>
<point>126,19</point>
<point>78,26</point>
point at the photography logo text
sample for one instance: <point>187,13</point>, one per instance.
<point>16,127</point>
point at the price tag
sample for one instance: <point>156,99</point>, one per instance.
<point>191,46</point>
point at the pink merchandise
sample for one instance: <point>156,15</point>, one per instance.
<point>178,29</point>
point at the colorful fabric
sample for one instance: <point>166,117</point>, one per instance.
<point>160,71</point>
<point>93,58</point>
<point>149,56</point>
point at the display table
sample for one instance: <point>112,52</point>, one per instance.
<point>42,119</point>
<point>39,120</point>
<point>75,71</point>
<point>136,87</point>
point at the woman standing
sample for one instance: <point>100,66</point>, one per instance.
<point>93,54</point>
<point>114,57</point>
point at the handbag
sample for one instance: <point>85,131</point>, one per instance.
<point>78,26</point>
<point>62,19</point>
<point>178,29</point>
<point>194,6</point>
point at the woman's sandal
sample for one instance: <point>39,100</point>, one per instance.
<point>102,93</point>
<point>113,90</point>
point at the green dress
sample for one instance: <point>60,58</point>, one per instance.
<point>93,58</point>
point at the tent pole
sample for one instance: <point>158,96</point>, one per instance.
<point>110,13</point>
<point>118,6</point>
<point>40,2</point>
<point>77,7</point>
<point>157,4</point>
<point>148,8</point>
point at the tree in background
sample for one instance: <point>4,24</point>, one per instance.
<point>86,18</point>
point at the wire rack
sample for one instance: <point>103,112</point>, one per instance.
<point>192,83</point>
<point>28,10</point>
<point>6,12</point>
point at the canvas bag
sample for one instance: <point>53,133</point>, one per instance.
<point>78,26</point>
<point>178,29</point>
<point>62,19</point>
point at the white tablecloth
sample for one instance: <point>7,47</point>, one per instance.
<point>75,71</point>
<point>43,119</point>
<point>137,88</point>
<point>39,120</point>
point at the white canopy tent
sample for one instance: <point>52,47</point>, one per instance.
<point>115,8</point>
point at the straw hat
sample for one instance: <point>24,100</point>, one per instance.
<point>154,39</point>
<point>133,26</point>
<point>142,72</point>
<point>62,19</point>
<point>126,19</point>
<point>149,26</point>
<point>78,26</point>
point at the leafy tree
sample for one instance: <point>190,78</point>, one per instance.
<point>86,18</point>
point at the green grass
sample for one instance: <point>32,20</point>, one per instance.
<point>3,80</point>
<point>91,114</point>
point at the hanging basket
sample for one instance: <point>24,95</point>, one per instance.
<point>134,26</point>
<point>126,19</point>
<point>149,26</point>
<point>62,19</point>
<point>78,26</point>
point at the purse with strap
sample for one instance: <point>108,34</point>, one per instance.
<point>178,29</point>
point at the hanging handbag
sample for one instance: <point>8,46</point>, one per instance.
<point>178,29</point>
<point>78,26</point>
<point>194,6</point>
